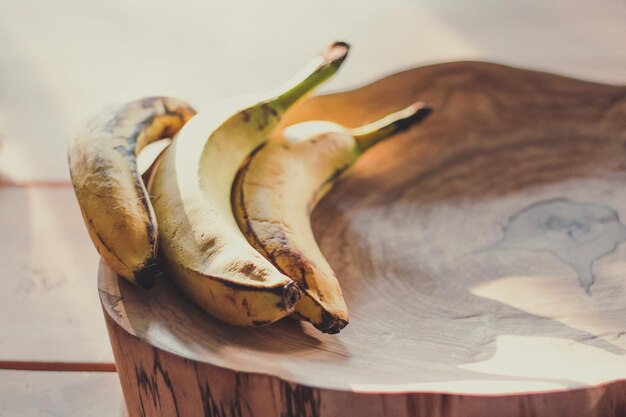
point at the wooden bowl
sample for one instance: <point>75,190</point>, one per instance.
<point>480,254</point>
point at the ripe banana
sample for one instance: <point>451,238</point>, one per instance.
<point>280,185</point>
<point>201,243</point>
<point>112,197</point>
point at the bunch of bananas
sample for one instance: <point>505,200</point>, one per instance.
<point>225,216</point>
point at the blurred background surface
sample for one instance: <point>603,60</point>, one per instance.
<point>62,61</point>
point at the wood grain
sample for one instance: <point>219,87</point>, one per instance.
<point>60,394</point>
<point>479,253</point>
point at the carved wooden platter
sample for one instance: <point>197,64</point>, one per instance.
<point>481,255</point>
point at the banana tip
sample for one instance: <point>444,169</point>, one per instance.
<point>333,326</point>
<point>337,52</point>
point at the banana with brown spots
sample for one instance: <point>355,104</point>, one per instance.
<point>111,194</point>
<point>280,185</point>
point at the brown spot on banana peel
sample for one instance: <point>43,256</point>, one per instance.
<point>303,282</point>
<point>263,121</point>
<point>232,297</point>
<point>208,245</point>
<point>295,261</point>
<point>245,116</point>
<point>268,111</point>
<point>248,268</point>
<point>246,306</point>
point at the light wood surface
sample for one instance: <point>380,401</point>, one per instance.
<point>479,253</point>
<point>60,394</point>
<point>50,310</point>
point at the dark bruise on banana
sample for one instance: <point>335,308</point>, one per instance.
<point>112,197</point>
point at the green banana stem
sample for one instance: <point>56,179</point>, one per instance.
<point>372,133</point>
<point>320,70</point>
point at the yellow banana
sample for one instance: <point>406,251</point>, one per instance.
<point>280,185</point>
<point>202,246</point>
<point>111,194</point>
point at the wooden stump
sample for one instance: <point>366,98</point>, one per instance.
<point>480,254</point>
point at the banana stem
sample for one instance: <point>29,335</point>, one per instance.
<point>318,71</point>
<point>370,134</point>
